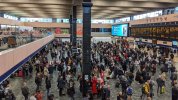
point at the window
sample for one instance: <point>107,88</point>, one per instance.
<point>102,21</point>
<point>101,30</point>
<point>65,20</point>
<point>10,17</point>
<point>79,20</point>
<point>151,14</point>
<point>23,19</point>
<point>125,19</point>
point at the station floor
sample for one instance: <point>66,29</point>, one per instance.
<point>16,87</point>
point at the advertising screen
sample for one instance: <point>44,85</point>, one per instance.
<point>174,43</point>
<point>120,30</point>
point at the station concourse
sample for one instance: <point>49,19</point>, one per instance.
<point>88,50</point>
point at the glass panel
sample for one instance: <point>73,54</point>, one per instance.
<point>10,17</point>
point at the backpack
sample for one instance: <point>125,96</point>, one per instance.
<point>129,91</point>
<point>143,89</point>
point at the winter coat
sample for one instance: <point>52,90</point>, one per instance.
<point>25,90</point>
<point>48,83</point>
<point>61,83</point>
<point>94,85</point>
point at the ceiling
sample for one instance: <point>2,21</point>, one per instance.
<point>100,9</point>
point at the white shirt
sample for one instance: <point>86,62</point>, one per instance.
<point>32,98</point>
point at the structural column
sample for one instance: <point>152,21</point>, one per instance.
<point>54,20</point>
<point>86,67</point>
<point>70,30</point>
<point>74,26</point>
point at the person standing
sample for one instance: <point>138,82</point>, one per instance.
<point>60,85</point>
<point>46,72</point>
<point>71,89</point>
<point>2,94</point>
<point>10,95</point>
<point>160,83</point>
<point>94,85</point>
<point>30,69</point>
<point>120,96</point>
<point>39,95</point>
<point>25,90</point>
<point>175,92</point>
<point>145,90</point>
<point>33,97</point>
<point>38,81</point>
<point>48,84</point>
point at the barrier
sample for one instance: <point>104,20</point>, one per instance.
<point>12,59</point>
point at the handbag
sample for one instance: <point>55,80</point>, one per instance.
<point>162,90</point>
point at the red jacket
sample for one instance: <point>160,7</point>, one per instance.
<point>94,85</point>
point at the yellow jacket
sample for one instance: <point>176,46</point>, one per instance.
<point>147,88</point>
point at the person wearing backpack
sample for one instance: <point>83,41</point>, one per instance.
<point>161,84</point>
<point>25,91</point>
<point>129,92</point>
<point>145,90</point>
<point>152,83</point>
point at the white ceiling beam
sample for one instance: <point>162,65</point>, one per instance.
<point>55,2</point>
<point>117,3</point>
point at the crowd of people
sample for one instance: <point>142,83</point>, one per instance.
<point>109,61</point>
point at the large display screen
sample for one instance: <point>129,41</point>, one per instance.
<point>120,30</point>
<point>174,43</point>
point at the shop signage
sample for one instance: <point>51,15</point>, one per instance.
<point>157,19</point>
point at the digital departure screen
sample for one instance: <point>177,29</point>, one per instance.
<point>120,30</point>
<point>174,43</point>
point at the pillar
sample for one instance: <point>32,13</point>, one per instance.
<point>86,66</point>
<point>74,26</point>
<point>70,30</point>
<point>54,20</point>
<point>1,14</point>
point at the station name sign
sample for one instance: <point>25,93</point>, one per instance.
<point>157,19</point>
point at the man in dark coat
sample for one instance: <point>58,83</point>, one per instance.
<point>38,81</point>
<point>48,84</point>
<point>175,92</point>
<point>25,91</point>
<point>60,85</point>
